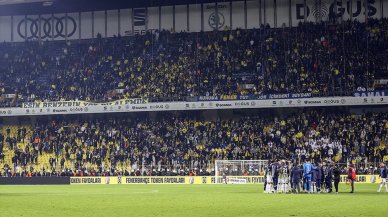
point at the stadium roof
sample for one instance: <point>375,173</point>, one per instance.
<point>26,7</point>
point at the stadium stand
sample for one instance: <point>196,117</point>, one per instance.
<point>323,59</point>
<point>175,143</point>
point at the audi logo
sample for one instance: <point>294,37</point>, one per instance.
<point>52,27</point>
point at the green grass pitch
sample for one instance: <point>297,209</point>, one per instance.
<point>185,200</point>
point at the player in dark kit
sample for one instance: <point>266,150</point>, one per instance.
<point>268,178</point>
<point>296,176</point>
<point>323,187</point>
<point>328,178</point>
<point>336,174</point>
<point>317,173</point>
<point>383,175</point>
<point>275,174</point>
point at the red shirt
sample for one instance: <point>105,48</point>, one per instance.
<point>352,173</point>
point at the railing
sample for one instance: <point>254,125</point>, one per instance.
<point>10,103</point>
<point>175,169</point>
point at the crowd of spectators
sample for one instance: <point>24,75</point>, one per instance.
<point>175,143</point>
<point>318,58</point>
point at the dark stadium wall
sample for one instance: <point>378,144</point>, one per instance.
<point>193,18</point>
<point>34,180</point>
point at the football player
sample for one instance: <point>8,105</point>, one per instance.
<point>383,175</point>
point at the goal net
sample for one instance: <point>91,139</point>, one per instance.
<point>234,171</point>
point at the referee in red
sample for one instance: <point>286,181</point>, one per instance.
<point>352,176</point>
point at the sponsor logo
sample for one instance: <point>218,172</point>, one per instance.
<point>253,103</point>
<point>312,102</point>
<point>241,103</point>
<point>57,110</point>
<point>331,101</point>
<point>156,106</point>
<point>52,27</point>
<point>216,20</point>
<point>139,16</point>
<point>223,105</point>
<point>138,107</point>
<point>324,8</point>
<point>343,101</point>
<point>76,109</point>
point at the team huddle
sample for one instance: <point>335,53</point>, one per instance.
<point>285,177</point>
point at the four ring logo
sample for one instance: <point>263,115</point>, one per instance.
<point>52,27</point>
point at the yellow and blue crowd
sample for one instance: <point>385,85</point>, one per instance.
<point>176,143</point>
<point>312,58</point>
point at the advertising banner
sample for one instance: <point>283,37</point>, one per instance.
<point>61,104</point>
<point>370,93</point>
<point>143,105</point>
<point>113,180</point>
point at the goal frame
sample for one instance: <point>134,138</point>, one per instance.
<point>240,165</point>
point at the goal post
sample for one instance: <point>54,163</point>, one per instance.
<point>232,169</point>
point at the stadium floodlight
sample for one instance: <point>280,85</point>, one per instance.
<point>233,171</point>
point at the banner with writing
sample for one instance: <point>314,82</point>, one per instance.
<point>61,104</point>
<point>252,97</point>
<point>370,93</point>
<point>190,179</point>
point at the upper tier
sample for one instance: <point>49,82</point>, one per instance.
<point>311,58</point>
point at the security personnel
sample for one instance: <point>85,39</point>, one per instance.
<point>336,174</point>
